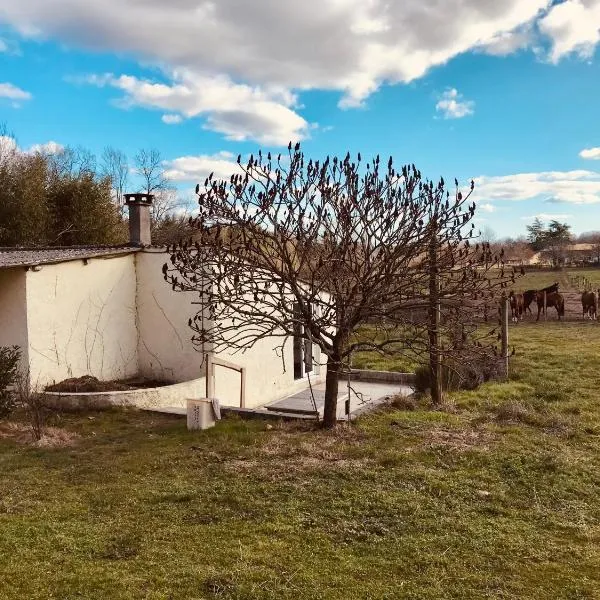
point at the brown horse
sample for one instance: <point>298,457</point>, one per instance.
<point>589,303</point>
<point>530,295</point>
<point>552,299</point>
<point>516,306</point>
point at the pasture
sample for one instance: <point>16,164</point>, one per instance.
<point>566,279</point>
<point>497,495</point>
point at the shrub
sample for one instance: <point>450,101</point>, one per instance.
<point>463,372</point>
<point>9,364</point>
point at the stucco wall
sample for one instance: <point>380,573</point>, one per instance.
<point>269,368</point>
<point>82,320</point>
<point>13,310</point>
<point>165,349</point>
<point>265,377</point>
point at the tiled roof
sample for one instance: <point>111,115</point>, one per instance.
<point>29,257</point>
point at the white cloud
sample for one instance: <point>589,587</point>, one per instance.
<point>197,168</point>
<point>487,207</point>
<point>8,144</point>
<point>50,147</point>
<point>573,26</point>
<point>590,153</point>
<point>3,46</point>
<point>548,217</point>
<point>171,119</point>
<point>452,105</point>
<point>573,187</point>
<point>508,42</point>
<point>238,111</point>
<point>353,46</point>
<point>12,92</point>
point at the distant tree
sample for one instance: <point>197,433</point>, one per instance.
<point>82,211</point>
<point>55,199</point>
<point>315,251</point>
<point>488,235</point>
<point>536,234</point>
<point>24,215</point>
<point>172,229</point>
<point>149,167</point>
<point>557,237</point>
<point>116,167</point>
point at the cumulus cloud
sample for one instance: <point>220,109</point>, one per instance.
<point>12,92</point>
<point>487,207</point>
<point>573,26</point>
<point>573,187</point>
<point>452,105</point>
<point>3,46</point>
<point>8,144</point>
<point>50,147</point>
<point>590,153</point>
<point>508,42</point>
<point>238,111</point>
<point>197,168</point>
<point>350,46</point>
<point>353,46</point>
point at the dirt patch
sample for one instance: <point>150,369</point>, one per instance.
<point>460,440</point>
<point>53,437</point>
<point>286,453</point>
<point>90,384</point>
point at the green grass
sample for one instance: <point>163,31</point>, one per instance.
<point>496,496</point>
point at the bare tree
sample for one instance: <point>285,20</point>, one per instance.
<point>164,204</point>
<point>338,254</point>
<point>72,162</point>
<point>148,165</point>
<point>116,167</point>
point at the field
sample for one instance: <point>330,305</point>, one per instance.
<point>495,496</point>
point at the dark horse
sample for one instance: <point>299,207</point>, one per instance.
<point>589,303</point>
<point>552,299</point>
<point>516,306</point>
<point>530,295</point>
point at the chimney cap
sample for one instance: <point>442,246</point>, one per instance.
<point>139,198</point>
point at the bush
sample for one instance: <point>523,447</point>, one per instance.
<point>464,372</point>
<point>9,365</point>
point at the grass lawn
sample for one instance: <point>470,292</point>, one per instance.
<point>497,496</point>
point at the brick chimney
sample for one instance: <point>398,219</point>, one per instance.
<point>139,218</point>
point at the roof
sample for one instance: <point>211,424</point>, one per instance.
<point>29,257</point>
<point>581,247</point>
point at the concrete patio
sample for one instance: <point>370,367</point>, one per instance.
<point>362,394</point>
<point>367,390</point>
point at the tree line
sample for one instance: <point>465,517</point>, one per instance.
<point>68,196</point>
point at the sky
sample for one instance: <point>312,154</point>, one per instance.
<point>506,93</point>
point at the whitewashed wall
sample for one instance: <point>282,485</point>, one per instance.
<point>269,372</point>
<point>165,349</point>
<point>13,310</point>
<point>82,320</point>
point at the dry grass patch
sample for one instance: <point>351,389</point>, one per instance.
<point>52,437</point>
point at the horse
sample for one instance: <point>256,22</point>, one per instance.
<point>589,303</point>
<point>516,306</point>
<point>552,299</point>
<point>530,295</point>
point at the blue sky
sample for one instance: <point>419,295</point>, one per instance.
<point>506,93</point>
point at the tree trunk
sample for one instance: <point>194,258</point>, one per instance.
<point>331,393</point>
<point>435,365</point>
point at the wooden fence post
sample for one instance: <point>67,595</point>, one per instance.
<point>545,306</point>
<point>435,365</point>
<point>504,334</point>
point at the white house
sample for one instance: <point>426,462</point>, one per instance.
<point>107,312</point>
